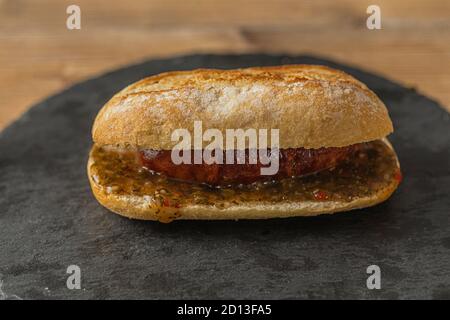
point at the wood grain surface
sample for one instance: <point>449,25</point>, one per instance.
<point>40,56</point>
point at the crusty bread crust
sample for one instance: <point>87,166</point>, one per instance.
<point>140,207</point>
<point>312,106</point>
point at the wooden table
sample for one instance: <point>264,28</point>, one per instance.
<point>40,56</point>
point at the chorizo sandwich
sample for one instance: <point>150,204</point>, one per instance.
<point>323,134</point>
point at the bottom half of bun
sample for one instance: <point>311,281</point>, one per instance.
<point>119,184</point>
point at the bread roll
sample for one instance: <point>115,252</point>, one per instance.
<point>312,106</point>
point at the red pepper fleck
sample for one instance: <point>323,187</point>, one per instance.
<point>398,176</point>
<point>320,195</point>
<point>166,202</point>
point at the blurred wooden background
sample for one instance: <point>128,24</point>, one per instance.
<point>39,56</point>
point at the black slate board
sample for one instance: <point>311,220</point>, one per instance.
<point>49,219</point>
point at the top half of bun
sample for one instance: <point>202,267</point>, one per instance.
<point>312,106</point>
